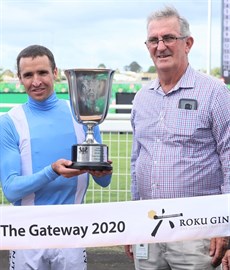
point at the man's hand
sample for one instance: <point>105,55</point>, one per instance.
<point>129,251</point>
<point>61,168</point>
<point>99,173</point>
<point>218,247</point>
<point>226,261</point>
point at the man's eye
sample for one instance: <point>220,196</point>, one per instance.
<point>43,72</point>
<point>27,75</point>
<point>169,38</point>
<point>153,40</point>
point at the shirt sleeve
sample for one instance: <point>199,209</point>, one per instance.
<point>14,185</point>
<point>221,132</point>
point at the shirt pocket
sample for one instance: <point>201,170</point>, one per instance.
<point>182,123</point>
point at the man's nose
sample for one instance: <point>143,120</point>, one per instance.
<point>161,45</point>
<point>36,80</point>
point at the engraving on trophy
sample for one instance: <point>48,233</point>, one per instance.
<point>90,91</point>
<point>83,149</point>
<point>92,97</point>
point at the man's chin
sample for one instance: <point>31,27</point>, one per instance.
<point>164,66</point>
<point>39,97</point>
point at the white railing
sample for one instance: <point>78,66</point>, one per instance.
<point>8,105</point>
<point>117,134</point>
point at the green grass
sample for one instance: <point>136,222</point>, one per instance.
<point>119,190</point>
<point>3,200</point>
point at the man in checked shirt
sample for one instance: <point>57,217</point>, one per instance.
<point>181,140</point>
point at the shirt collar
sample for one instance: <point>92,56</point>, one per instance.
<point>45,105</point>
<point>186,81</point>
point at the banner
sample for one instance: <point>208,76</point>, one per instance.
<point>109,224</point>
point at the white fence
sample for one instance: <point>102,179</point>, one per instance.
<point>117,134</point>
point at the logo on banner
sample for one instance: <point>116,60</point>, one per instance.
<point>153,215</point>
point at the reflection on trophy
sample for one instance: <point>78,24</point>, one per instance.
<point>90,91</point>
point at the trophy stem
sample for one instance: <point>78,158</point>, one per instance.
<point>90,133</point>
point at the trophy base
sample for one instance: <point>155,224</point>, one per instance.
<point>90,157</point>
<point>93,166</point>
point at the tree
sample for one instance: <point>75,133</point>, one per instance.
<point>5,74</point>
<point>134,66</point>
<point>59,76</point>
<point>152,69</point>
<point>101,66</point>
<point>216,72</point>
<point>1,74</point>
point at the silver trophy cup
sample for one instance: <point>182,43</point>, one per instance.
<point>90,91</point>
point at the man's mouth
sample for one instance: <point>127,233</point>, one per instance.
<point>163,56</point>
<point>37,89</point>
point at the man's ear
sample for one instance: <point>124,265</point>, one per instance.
<point>19,77</point>
<point>55,72</point>
<point>189,43</point>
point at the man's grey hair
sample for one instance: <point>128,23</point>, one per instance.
<point>170,12</point>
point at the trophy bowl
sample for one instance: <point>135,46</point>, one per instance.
<point>90,91</point>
